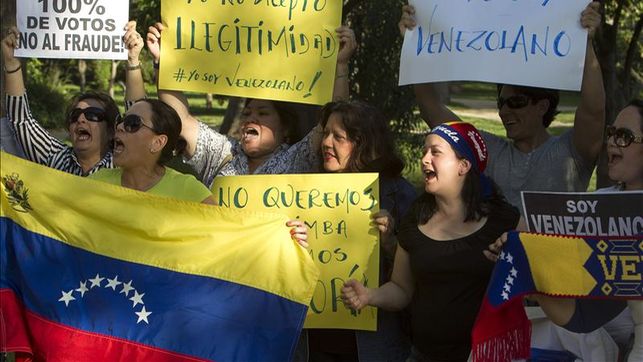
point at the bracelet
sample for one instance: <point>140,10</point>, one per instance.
<point>12,71</point>
<point>156,65</point>
<point>134,67</point>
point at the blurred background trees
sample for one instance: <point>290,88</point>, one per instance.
<point>374,67</point>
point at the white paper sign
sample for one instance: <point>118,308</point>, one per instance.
<point>72,29</point>
<point>536,43</point>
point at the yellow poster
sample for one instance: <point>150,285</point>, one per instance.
<point>283,50</point>
<point>337,209</point>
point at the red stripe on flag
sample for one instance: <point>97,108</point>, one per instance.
<point>57,342</point>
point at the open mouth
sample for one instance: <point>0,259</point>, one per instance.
<point>82,134</point>
<point>328,156</point>
<point>613,158</point>
<point>118,145</point>
<point>249,132</point>
<point>429,175</point>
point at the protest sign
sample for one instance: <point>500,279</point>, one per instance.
<point>584,214</point>
<point>533,43</point>
<point>283,50</point>
<point>72,29</point>
<point>343,244</point>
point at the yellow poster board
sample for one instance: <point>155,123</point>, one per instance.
<point>282,50</point>
<point>337,209</point>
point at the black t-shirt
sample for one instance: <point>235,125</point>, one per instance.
<point>451,278</point>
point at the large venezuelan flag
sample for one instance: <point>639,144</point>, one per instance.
<point>95,272</point>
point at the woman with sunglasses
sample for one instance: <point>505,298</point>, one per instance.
<point>146,138</point>
<point>625,167</point>
<point>439,269</point>
<point>267,127</point>
<point>90,116</point>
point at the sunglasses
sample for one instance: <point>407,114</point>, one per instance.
<point>92,114</point>
<point>514,102</point>
<point>132,123</point>
<point>623,137</point>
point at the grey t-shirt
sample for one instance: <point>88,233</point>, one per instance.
<point>554,166</point>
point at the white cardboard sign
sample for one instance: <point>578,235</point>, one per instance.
<point>72,29</point>
<point>536,43</point>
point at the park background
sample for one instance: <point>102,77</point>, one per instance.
<point>373,77</point>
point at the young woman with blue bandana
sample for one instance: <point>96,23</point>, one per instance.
<point>439,269</point>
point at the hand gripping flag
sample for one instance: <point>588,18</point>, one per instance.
<point>558,266</point>
<point>95,272</point>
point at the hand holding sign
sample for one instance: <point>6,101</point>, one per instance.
<point>153,40</point>
<point>408,19</point>
<point>133,41</point>
<point>355,295</point>
<point>9,43</point>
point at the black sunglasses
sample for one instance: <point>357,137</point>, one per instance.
<point>92,114</point>
<point>132,123</point>
<point>514,102</point>
<point>623,137</point>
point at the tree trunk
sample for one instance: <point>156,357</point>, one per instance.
<point>112,78</point>
<point>82,72</point>
<point>208,100</point>
<point>234,107</point>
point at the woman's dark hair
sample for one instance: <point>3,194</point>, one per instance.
<point>537,94</point>
<point>288,117</point>
<point>110,107</point>
<point>638,103</point>
<point>167,122</point>
<point>476,204</point>
<point>374,148</point>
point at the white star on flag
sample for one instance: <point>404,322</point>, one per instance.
<point>510,259</point>
<point>96,281</point>
<point>82,289</point>
<point>137,298</point>
<point>142,316</point>
<point>67,297</point>
<point>502,255</point>
<point>127,287</point>
<point>507,288</point>
<point>514,272</point>
<point>112,283</point>
<point>505,296</point>
<point>510,280</point>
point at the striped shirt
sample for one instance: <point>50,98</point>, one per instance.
<point>40,146</point>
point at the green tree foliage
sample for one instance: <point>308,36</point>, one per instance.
<point>47,94</point>
<point>375,68</point>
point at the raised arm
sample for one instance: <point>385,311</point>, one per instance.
<point>589,120</point>
<point>14,83</point>
<point>433,111</point>
<point>134,86</point>
<point>37,144</point>
<point>394,295</point>
<point>347,46</point>
<point>175,99</point>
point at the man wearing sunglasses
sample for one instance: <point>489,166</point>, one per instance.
<point>89,118</point>
<point>532,159</point>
